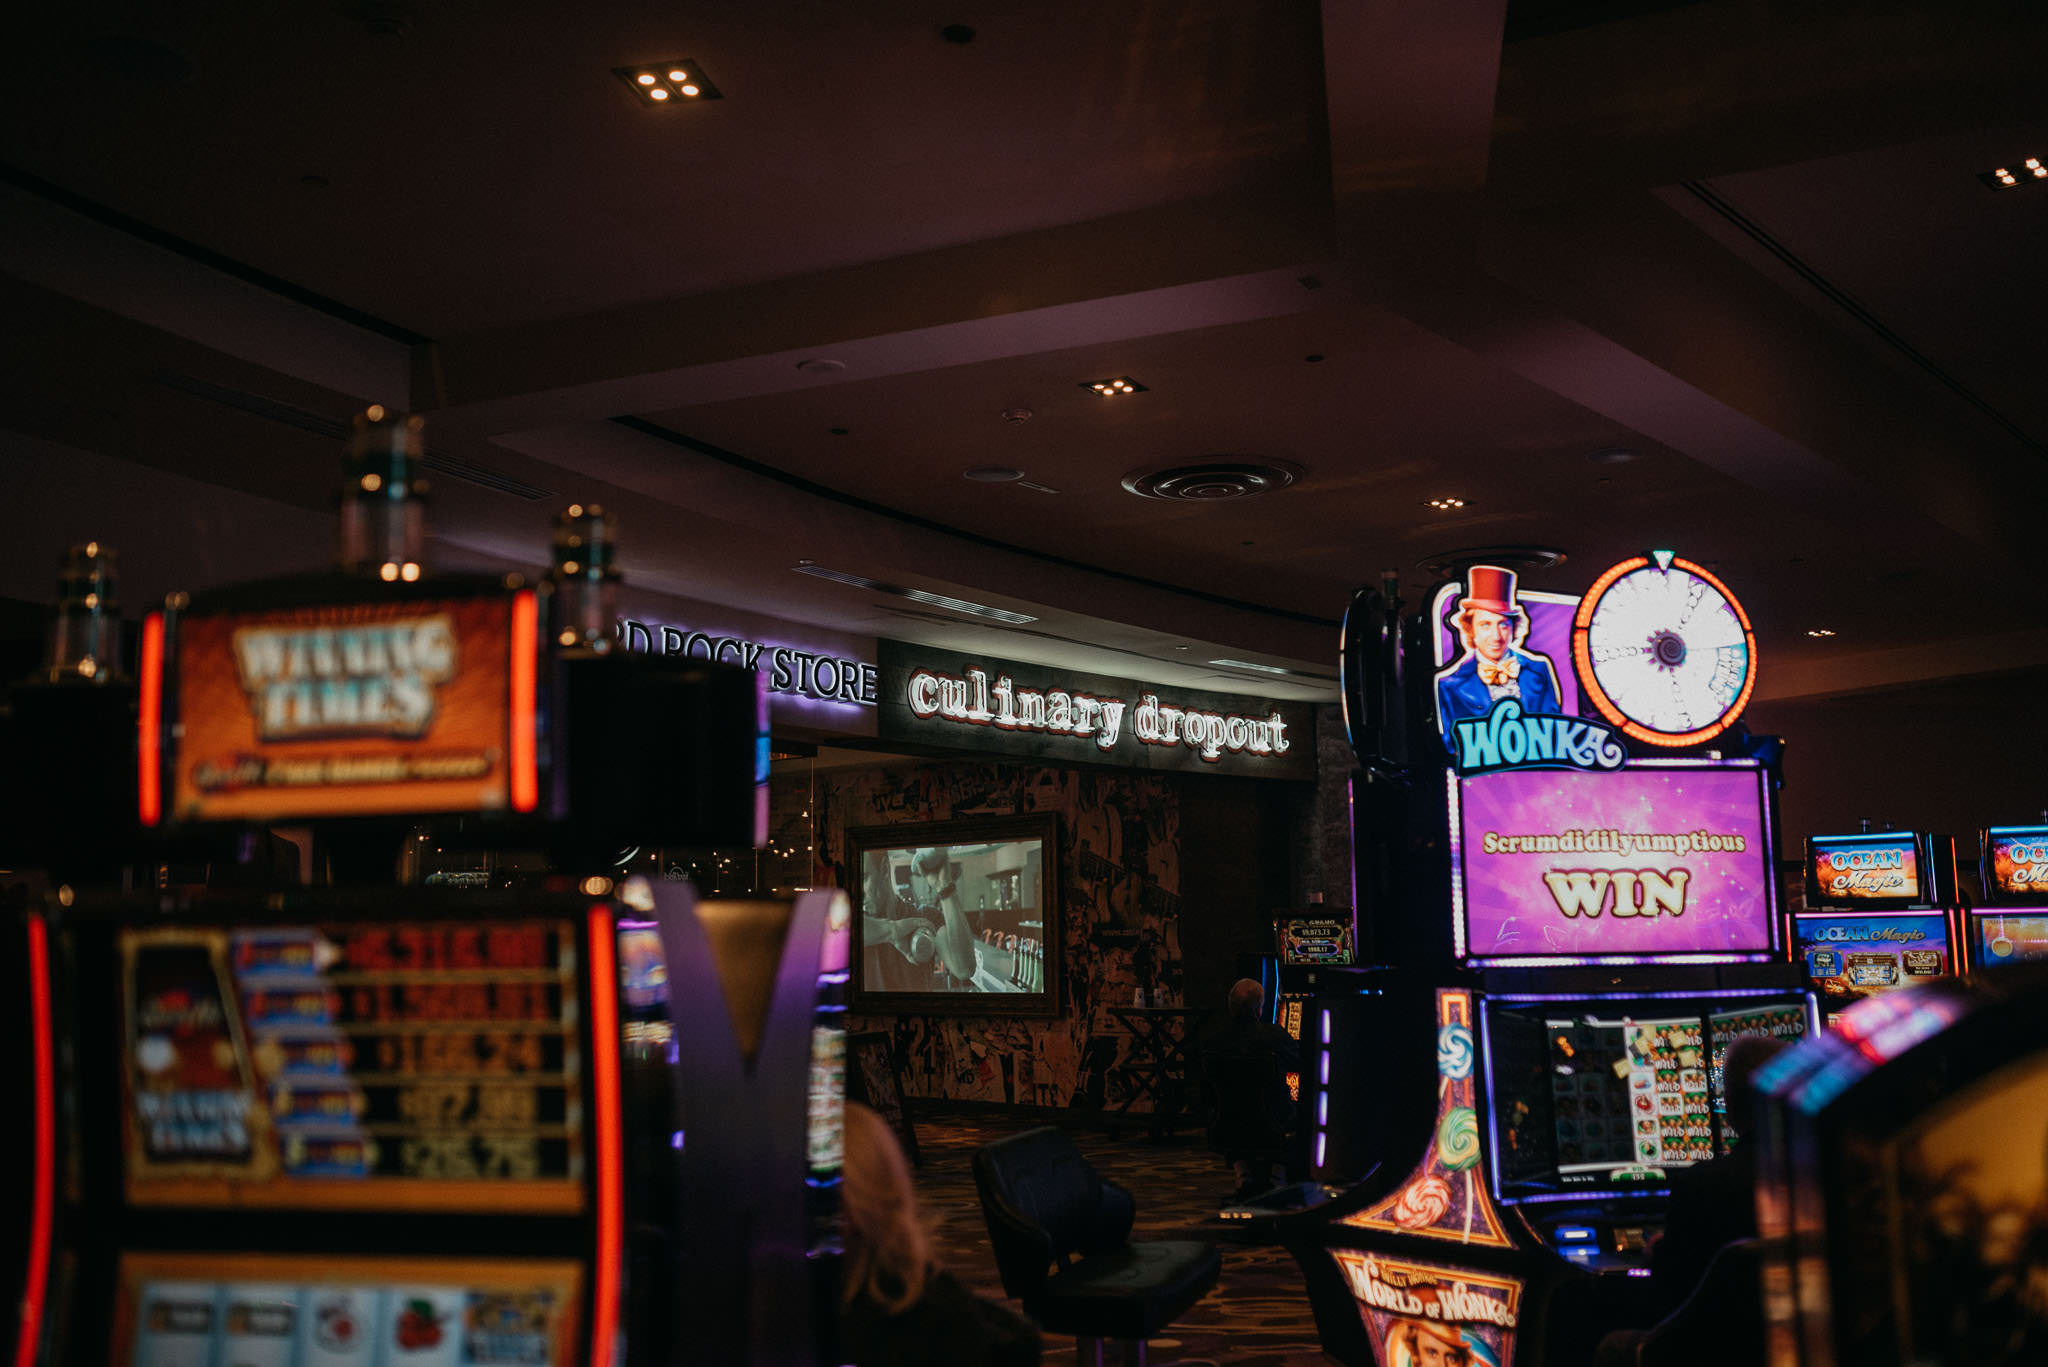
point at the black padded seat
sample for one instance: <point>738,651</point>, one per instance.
<point>1061,1236</point>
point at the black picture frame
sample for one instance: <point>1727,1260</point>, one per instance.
<point>999,884</point>
<point>874,1080</point>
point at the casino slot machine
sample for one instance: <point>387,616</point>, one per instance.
<point>1604,923</point>
<point>2012,924</point>
<point>1904,1164</point>
<point>1881,913</point>
<point>587,1122</point>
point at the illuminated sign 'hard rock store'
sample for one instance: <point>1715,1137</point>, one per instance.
<point>798,673</point>
<point>938,699</point>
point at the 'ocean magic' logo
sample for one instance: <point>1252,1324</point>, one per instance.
<point>1506,739</point>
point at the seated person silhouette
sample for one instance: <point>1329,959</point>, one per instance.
<point>898,1308</point>
<point>1245,1060</point>
<point>1713,1204</point>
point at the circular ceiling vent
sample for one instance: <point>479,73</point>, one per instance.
<point>1453,564</point>
<point>1213,481</point>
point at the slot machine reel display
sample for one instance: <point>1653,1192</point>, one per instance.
<point>432,1126</point>
<point>1610,833</point>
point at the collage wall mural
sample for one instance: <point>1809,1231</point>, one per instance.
<point>1119,862</point>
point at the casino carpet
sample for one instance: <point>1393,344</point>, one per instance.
<point>1257,1316</point>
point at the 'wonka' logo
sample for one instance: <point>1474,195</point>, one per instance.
<point>1505,739</point>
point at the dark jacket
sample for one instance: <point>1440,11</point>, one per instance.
<point>1245,1063</point>
<point>1461,694</point>
<point>949,1326</point>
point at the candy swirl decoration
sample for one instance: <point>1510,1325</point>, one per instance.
<point>1422,1203</point>
<point>1454,1051</point>
<point>1457,1139</point>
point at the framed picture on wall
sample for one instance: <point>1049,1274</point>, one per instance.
<point>957,917</point>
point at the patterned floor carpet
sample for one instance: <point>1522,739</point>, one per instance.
<point>1257,1316</point>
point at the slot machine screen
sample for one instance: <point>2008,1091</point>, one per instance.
<point>2009,935</point>
<point>1848,958</point>
<point>1315,941</point>
<point>2015,864</point>
<point>1598,1097</point>
<point>360,709</point>
<point>430,1066</point>
<point>1656,861</point>
<point>279,1310</point>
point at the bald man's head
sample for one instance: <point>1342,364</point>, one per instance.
<point>1247,997</point>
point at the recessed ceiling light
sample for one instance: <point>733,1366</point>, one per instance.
<point>2012,175</point>
<point>1613,455</point>
<point>663,82</point>
<point>1820,631</point>
<point>991,474</point>
<point>1443,505</point>
<point>937,600</point>
<point>1114,385</point>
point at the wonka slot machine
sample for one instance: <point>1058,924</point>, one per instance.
<point>1613,926</point>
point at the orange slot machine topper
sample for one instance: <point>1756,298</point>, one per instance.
<point>414,1096</point>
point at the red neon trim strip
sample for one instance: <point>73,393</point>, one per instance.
<point>525,665</point>
<point>149,737</point>
<point>36,1281</point>
<point>604,1073</point>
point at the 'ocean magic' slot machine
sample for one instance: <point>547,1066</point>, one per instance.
<point>2012,925</point>
<point>1879,915</point>
<point>1613,886</point>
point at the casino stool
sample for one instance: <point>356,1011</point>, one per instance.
<point>1045,1204</point>
<point>1721,1324</point>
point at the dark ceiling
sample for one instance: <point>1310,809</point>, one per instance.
<point>1409,251</point>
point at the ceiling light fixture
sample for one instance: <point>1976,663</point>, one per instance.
<point>660,82</point>
<point>937,600</point>
<point>1820,631</point>
<point>1114,385</point>
<point>2014,174</point>
<point>1247,664</point>
<point>1443,505</point>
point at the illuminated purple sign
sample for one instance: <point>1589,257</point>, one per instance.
<point>788,670</point>
<point>1658,859</point>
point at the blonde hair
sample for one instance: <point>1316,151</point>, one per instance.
<point>888,1253</point>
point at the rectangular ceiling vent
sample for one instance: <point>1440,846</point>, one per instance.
<point>289,415</point>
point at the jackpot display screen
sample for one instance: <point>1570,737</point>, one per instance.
<point>1656,860</point>
<point>1308,940</point>
<point>423,1066</point>
<point>1848,958</point>
<point>362,709</point>
<point>1607,1096</point>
